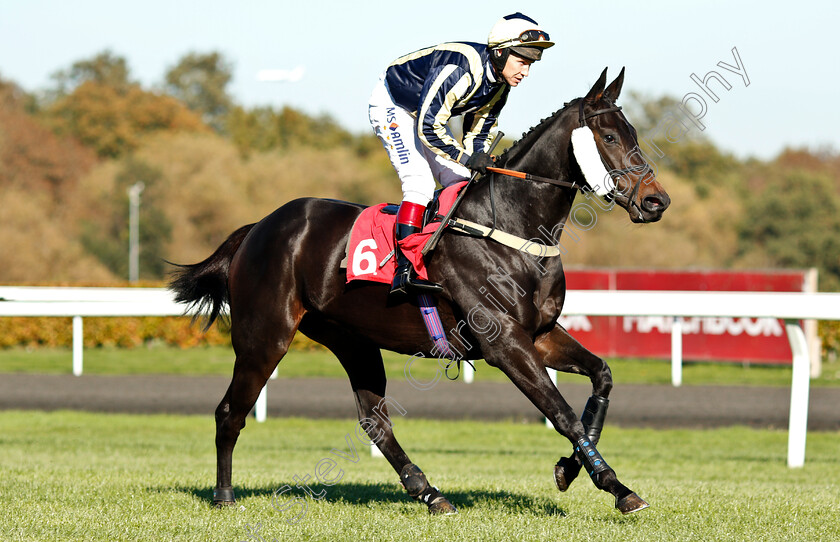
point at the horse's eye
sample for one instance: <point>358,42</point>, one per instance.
<point>609,138</point>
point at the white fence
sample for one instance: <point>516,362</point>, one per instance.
<point>792,307</point>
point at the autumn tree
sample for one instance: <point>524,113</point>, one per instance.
<point>200,81</point>
<point>39,176</point>
<point>265,128</point>
<point>646,112</point>
<point>795,222</point>
<point>31,156</point>
<point>670,141</point>
<point>105,68</point>
<point>113,121</point>
<point>12,96</point>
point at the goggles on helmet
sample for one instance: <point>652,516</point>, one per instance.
<point>529,36</point>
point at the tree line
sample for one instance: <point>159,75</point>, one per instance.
<point>68,154</point>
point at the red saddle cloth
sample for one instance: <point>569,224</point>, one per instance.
<point>370,249</point>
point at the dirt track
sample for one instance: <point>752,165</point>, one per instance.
<point>631,405</point>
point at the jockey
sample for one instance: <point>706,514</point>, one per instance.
<point>420,92</point>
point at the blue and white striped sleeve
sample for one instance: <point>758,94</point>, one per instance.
<point>443,89</point>
<point>477,125</point>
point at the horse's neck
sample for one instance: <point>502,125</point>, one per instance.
<point>522,206</point>
<point>543,152</point>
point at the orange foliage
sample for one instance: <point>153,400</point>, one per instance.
<point>112,121</point>
<point>39,171</point>
<point>34,158</point>
<point>121,332</point>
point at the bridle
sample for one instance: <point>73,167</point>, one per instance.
<point>643,169</point>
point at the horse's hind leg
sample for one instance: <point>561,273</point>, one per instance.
<point>562,352</point>
<point>363,363</point>
<point>367,377</point>
<point>259,347</point>
<point>248,380</point>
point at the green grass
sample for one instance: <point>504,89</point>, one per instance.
<point>82,476</point>
<point>320,363</point>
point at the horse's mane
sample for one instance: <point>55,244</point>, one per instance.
<point>532,134</point>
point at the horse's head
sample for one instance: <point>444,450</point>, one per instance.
<point>637,189</point>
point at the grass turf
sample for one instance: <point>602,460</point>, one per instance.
<point>321,363</point>
<point>82,476</point>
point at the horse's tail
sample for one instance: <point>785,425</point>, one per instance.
<point>205,284</point>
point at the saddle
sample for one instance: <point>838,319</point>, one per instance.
<point>370,249</point>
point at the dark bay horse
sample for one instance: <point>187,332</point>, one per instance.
<point>283,275</point>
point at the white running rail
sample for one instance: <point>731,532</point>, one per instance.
<point>791,307</point>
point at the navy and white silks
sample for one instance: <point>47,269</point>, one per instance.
<point>413,101</point>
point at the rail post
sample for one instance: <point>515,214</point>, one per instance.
<point>676,352</point>
<point>261,406</point>
<point>78,346</point>
<point>799,391</point>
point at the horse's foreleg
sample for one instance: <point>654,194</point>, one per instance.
<point>523,364</point>
<point>562,352</point>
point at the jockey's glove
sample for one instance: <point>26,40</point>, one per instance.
<point>479,162</point>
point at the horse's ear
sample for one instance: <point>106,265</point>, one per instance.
<point>597,89</point>
<point>614,89</point>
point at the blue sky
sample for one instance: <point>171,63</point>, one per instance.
<point>787,49</point>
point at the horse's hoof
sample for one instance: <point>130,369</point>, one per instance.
<point>631,503</point>
<point>442,507</point>
<point>223,496</point>
<point>565,471</point>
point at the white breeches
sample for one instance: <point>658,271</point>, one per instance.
<point>417,166</point>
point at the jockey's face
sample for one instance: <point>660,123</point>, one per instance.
<point>516,69</point>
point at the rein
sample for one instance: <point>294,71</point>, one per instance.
<point>530,177</point>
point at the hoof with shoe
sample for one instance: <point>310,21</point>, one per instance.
<point>223,496</point>
<point>442,507</point>
<point>565,471</point>
<point>415,483</point>
<point>630,503</point>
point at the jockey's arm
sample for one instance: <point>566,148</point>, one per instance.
<point>443,89</point>
<point>479,124</point>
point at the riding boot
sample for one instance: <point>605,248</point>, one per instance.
<point>409,221</point>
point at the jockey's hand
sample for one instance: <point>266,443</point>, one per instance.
<point>480,161</point>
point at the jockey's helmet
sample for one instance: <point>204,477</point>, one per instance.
<point>518,34</point>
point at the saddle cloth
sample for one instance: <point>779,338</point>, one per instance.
<point>370,250</point>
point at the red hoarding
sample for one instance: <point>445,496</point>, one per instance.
<point>759,340</point>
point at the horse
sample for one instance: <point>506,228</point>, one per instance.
<point>283,275</point>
